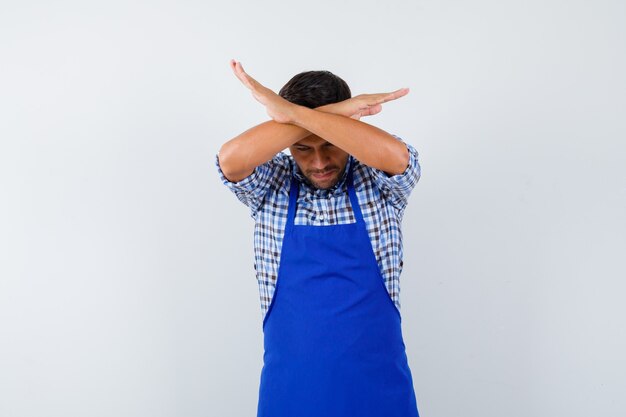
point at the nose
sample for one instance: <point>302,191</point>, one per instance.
<point>319,160</point>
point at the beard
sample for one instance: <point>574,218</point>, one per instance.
<point>330,177</point>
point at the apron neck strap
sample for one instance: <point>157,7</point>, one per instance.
<point>354,201</point>
<point>293,197</point>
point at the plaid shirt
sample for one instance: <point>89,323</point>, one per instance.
<point>382,199</point>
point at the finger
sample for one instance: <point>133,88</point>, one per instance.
<point>397,94</point>
<point>375,109</point>
<point>371,110</point>
<point>394,95</point>
<point>254,85</point>
<point>380,98</point>
<point>385,97</point>
<point>243,76</point>
<point>236,68</point>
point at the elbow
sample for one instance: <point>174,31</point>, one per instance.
<point>225,161</point>
<point>230,163</point>
<point>401,161</point>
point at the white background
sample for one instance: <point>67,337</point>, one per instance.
<point>126,268</point>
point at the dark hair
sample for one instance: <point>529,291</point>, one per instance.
<point>315,88</point>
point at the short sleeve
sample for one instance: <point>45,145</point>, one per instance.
<point>252,190</point>
<point>397,188</point>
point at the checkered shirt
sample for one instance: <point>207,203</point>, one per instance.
<point>382,199</point>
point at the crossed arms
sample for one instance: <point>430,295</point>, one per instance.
<point>337,123</point>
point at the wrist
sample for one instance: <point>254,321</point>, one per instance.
<point>340,108</point>
<point>298,114</point>
<point>327,108</point>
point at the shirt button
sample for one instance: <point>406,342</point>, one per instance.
<point>321,217</point>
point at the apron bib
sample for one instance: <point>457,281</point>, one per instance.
<point>333,343</point>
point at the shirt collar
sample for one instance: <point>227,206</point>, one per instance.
<point>336,189</point>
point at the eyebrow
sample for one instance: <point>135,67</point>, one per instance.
<point>308,145</point>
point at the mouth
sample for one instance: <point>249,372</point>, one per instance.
<point>324,175</point>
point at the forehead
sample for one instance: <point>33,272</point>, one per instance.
<point>311,140</point>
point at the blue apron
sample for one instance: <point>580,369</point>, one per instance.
<point>332,336</point>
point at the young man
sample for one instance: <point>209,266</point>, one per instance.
<point>328,247</point>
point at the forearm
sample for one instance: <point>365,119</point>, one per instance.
<point>239,156</point>
<point>370,145</point>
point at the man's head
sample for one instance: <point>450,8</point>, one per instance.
<point>321,162</point>
<point>315,88</point>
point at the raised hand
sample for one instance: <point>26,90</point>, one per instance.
<point>279,109</point>
<point>366,104</point>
